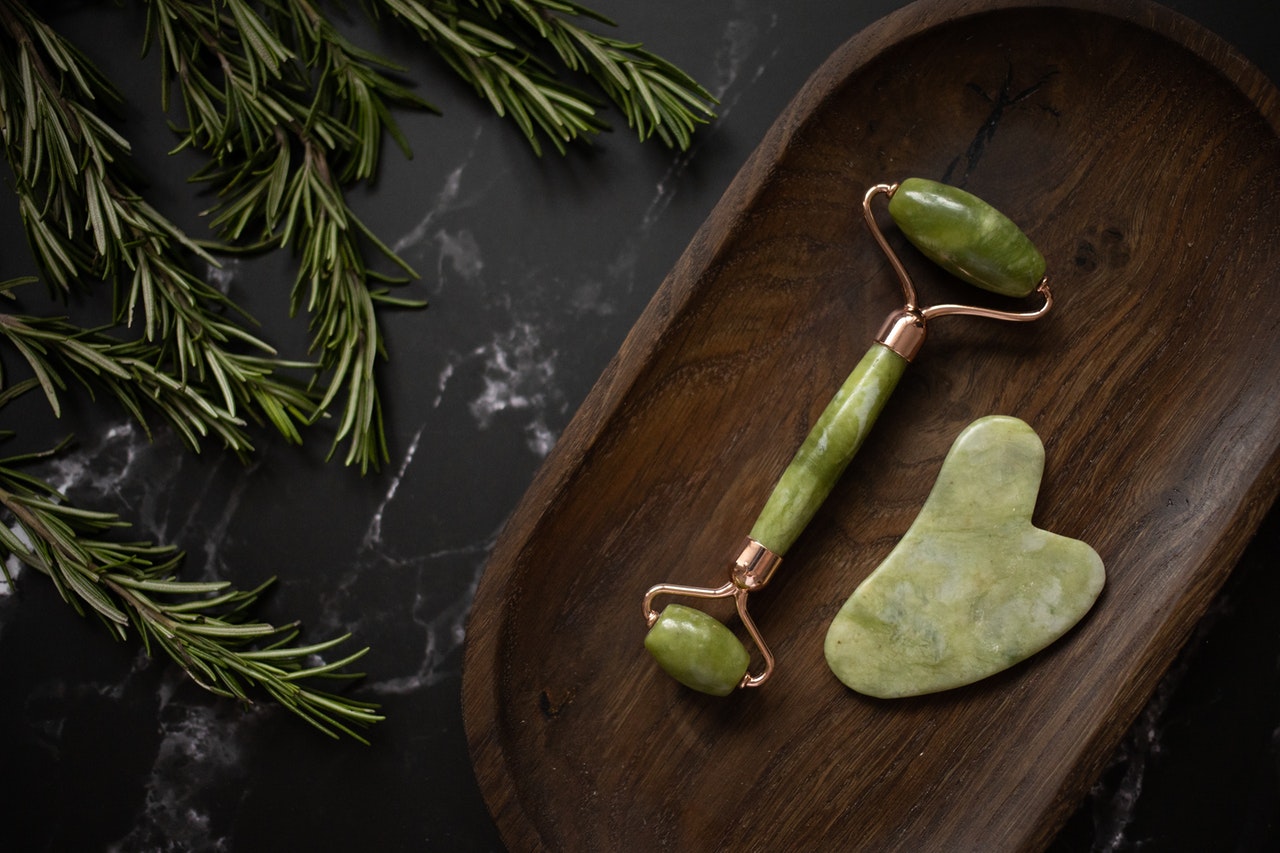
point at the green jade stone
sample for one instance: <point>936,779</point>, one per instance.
<point>828,449</point>
<point>967,237</point>
<point>972,588</point>
<point>697,650</point>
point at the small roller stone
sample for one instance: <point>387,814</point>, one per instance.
<point>967,237</point>
<point>697,650</point>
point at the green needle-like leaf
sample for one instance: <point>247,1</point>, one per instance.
<point>197,624</point>
<point>290,115</point>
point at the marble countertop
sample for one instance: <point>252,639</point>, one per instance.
<point>535,270</point>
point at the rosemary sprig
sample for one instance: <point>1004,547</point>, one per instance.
<point>84,220</point>
<point>201,626</point>
<point>287,126</point>
<point>492,44</point>
<point>123,369</point>
<point>289,114</point>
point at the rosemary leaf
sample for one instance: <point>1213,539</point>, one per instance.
<point>289,114</point>
<point>197,624</point>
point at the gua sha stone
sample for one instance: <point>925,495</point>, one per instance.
<point>973,587</point>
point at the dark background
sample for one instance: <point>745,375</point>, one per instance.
<point>536,269</point>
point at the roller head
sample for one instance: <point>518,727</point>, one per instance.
<point>967,237</point>
<point>697,650</point>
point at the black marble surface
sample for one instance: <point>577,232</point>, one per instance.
<point>536,269</point>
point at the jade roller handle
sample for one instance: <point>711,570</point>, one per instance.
<point>696,649</point>
<point>965,236</point>
<point>828,449</point>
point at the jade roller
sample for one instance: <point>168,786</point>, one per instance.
<point>965,236</point>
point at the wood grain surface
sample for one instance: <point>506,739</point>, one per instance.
<point>1141,155</point>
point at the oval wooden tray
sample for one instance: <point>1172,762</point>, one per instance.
<point>1141,154</point>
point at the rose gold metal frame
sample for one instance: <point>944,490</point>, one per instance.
<point>903,332</point>
<point>752,569</point>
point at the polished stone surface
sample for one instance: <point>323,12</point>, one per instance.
<point>967,237</point>
<point>827,450</point>
<point>972,587</point>
<point>697,650</point>
<point>536,269</point>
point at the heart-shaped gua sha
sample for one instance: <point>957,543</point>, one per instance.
<point>973,587</point>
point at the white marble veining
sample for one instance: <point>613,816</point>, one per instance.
<point>13,569</point>
<point>461,251</point>
<point>199,757</point>
<point>739,42</point>
<point>82,466</point>
<point>448,199</point>
<point>223,524</point>
<point>200,745</point>
<point>223,274</point>
<point>736,57</point>
<point>373,533</point>
<point>518,376</point>
<point>517,373</point>
<point>122,469</point>
<point>443,627</point>
<point>1113,802</point>
<point>96,469</point>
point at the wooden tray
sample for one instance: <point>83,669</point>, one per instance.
<point>1141,154</point>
